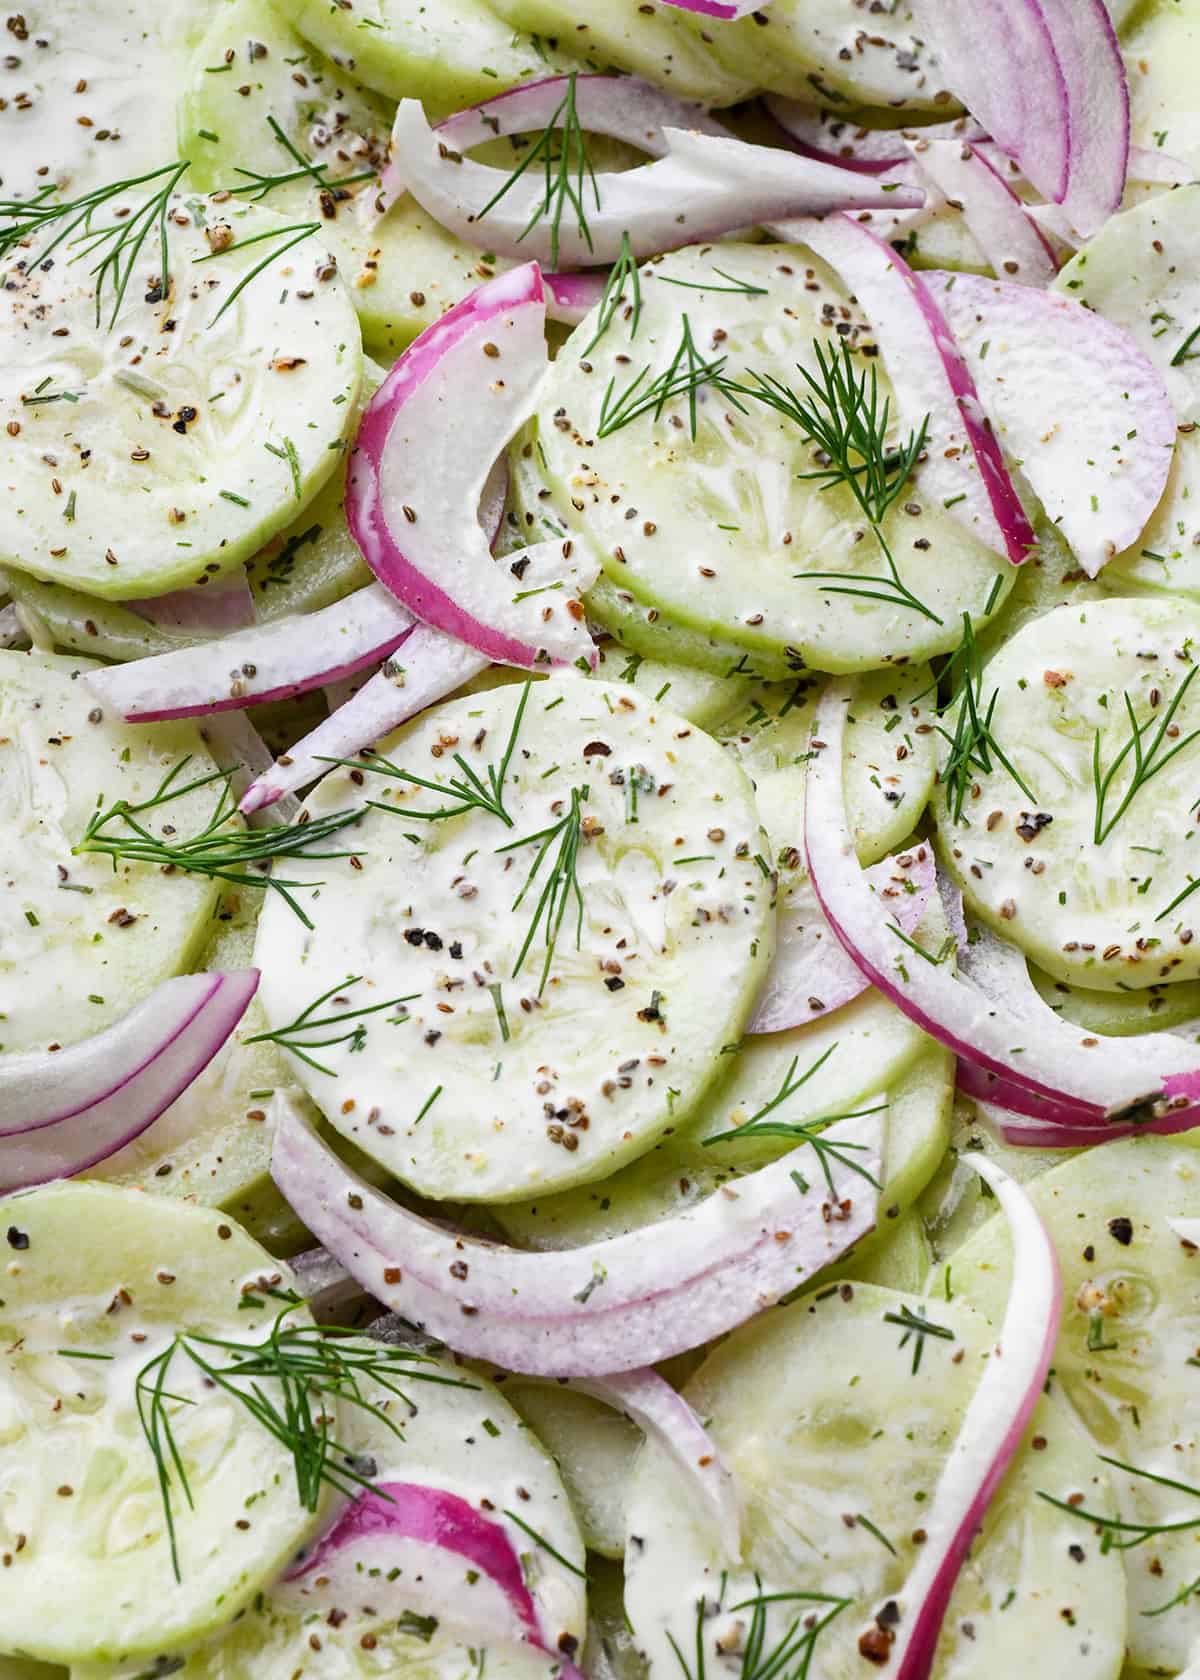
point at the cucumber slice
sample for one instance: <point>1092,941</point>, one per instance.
<point>1139,272</point>
<point>895,1255</point>
<point>88,626</point>
<point>459,1434</point>
<point>1161,50</point>
<point>594,1448</point>
<point>1121,1014</point>
<point>16,1668</point>
<point>654,41</point>
<point>461,1095</point>
<point>80,944</point>
<point>1051,577</point>
<point>681,1171</point>
<point>1093,914</point>
<point>129,57</point>
<point>90,1577</point>
<point>403,272</point>
<point>832,50</point>
<point>837,1433</point>
<point>447,56</point>
<point>703,698</point>
<point>1123,1356</point>
<point>891,762</point>
<point>725,528</point>
<point>253,408</point>
<point>610,1653</point>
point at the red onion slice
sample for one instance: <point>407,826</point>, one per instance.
<point>426,445</point>
<point>1072,398</point>
<point>1000,60</point>
<point>223,603</point>
<point>443,1521</point>
<point>650,1402</point>
<point>1093,71</point>
<point>724,10</point>
<point>1014,246</point>
<point>569,297</point>
<point>992,1429</point>
<point>1025,1133</point>
<point>607,1306</point>
<point>269,662</point>
<point>811,974</point>
<point>704,186</point>
<point>965,469</point>
<point>1095,1078</point>
<point>66,1110</point>
<point>622,107</point>
<point>824,134</point>
<point>431,666</point>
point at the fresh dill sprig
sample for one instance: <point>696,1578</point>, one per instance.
<point>562,150</point>
<point>218,850</point>
<point>806,1132</point>
<point>742,287</point>
<point>540,1540</point>
<point>686,374</point>
<point>1181,1597</point>
<point>916,1324</point>
<point>790,1658</point>
<point>1146,762</point>
<point>471,791</point>
<point>23,223</point>
<point>1117,1534</point>
<point>972,742</point>
<point>842,413</point>
<point>561,884</point>
<point>299,231</point>
<point>314,1367</point>
<point>296,1036</point>
<point>256,186</point>
<point>622,277</point>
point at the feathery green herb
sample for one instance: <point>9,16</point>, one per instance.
<point>842,413</point>
<point>972,742</point>
<point>256,186</point>
<point>623,278</point>
<point>562,151</point>
<point>25,223</point>
<point>297,1035</point>
<point>687,373</point>
<point>1146,762</point>
<point>916,1324</point>
<point>788,1658</point>
<point>742,287</point>
<point>806,1132</point>
<point>471,791</point>
<point>220,850</point>
<point>561,884</point>
<point>311,1369</point>
<point>1115,1533</point>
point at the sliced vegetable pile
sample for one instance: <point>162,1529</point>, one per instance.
<point>599,992</point>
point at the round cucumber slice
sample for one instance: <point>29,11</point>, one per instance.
<point>837,1432</point>
<point>89,1573</point>
<point>594,1448</point>
<point>1161,48</point>
<point>700,696</point>
<point>896,1255</point>
<point>832,50</point>
<point>1049,578</point>
<point>97,629</point>
<point>890,767</point>
<point>216,417</point>
<point>447,56</point>
<point>610,1653</point>
<point>1087,869</point>
<point>682,1171</point>
<point>654,41</point>
<point>1139,271</point>
<point>533,1047</point>
<point>1121,1014</point>
<point>115,63</point>
<point>725,528</point>
<point>386,1608</point>
<point>1123,1360</point>
<point>80,942</point>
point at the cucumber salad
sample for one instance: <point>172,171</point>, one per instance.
<point>600,829</point>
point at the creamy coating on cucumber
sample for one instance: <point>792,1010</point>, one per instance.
<point>597,957</point>
<point>612,871</point>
